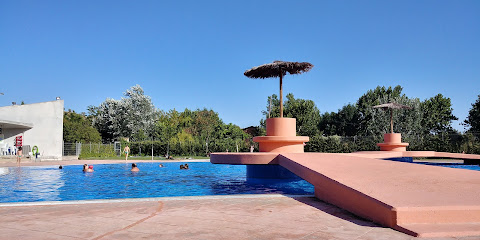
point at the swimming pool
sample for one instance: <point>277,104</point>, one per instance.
<point>115,181</point>
<point>453,165</point>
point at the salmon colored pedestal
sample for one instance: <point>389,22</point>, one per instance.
<point>281,137</point>
<point>392,142</point>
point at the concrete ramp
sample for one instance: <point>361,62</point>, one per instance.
<point>420,200</point>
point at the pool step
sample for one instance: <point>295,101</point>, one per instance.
<point>440,229</point>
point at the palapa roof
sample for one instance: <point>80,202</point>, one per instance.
<point>392,105</point>
<point>277,68</point>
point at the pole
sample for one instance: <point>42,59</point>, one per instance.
<point>270,107</point>
<point>391,120</point>
<point>281,95</point>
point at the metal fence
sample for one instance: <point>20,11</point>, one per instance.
<point>71,149</point>
<point>75,149</point>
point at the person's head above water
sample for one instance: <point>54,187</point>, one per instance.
<point>134,168</point>
<point>90,167</point>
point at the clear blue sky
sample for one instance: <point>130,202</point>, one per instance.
<point>192,54</point>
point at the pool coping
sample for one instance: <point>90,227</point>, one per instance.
<point>155,199</point>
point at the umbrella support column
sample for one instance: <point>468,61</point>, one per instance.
<point>392,142</point>
<point>281,137</point>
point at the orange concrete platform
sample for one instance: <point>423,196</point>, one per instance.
<point>420,200</point>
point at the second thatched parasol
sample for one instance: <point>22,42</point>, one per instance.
<point>278,69</point>
<point>391,106</point>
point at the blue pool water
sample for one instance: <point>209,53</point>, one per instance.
<point>455,165</point>
<point>115,181</point>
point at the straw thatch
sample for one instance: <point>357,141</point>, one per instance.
<point>277,69</point>
<point>392,105</point>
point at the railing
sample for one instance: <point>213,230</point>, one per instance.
<point>71,149</point>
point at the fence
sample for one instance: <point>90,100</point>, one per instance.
<point>468,143</point>
<point>71,149</point>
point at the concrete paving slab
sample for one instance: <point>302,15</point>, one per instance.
<point>254,217</point>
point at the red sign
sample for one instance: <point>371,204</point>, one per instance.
<point>18,141</point>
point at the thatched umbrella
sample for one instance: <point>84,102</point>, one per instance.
<point>278,69</point>
<point>391,106</point>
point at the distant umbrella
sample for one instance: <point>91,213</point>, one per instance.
<point>278,69</point>
<point>392,106</point>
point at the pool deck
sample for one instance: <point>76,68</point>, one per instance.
<point>210,217</point>
<point>420,200</point>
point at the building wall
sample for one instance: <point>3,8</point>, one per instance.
<point>47,130</point>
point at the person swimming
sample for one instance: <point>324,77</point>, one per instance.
<point>184,166</point>
<point>160,165</point>
<point>90,168</point>
<point>85,167</point>
<point>134,168</point>
<point>60,167</point>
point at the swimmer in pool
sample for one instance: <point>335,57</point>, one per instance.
<point>85,167</point>
<point>90,168</point>
<point>134,168</point>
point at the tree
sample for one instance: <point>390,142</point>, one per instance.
<point>206,121</point>
<point>437,115</point>
<point>374,97</point>
<point>345,122</point>
<point>473,118</point>
<point>78,128</point>
<point>167,127</point>
<point>305,111</point>
<point>131,116</point>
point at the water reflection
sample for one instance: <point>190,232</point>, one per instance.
<point>33,183</point>
<point>117,181</point>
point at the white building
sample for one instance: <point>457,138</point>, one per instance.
<point>39,124</point>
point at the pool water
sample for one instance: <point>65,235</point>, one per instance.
<point>454,165</point>
<point>116,181</point>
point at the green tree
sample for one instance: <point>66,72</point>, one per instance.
<point>345,122</point>
<point>167,127</point>
<point>473,118</point>
<point>377,96</point>
<point>78,128</point>
<point>437,115</point>
<point>206,121</point>
<point>328,123</point>
<point>305,112</point>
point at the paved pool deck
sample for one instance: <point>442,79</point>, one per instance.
<point>209,217</point>
<point>215,217</point>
